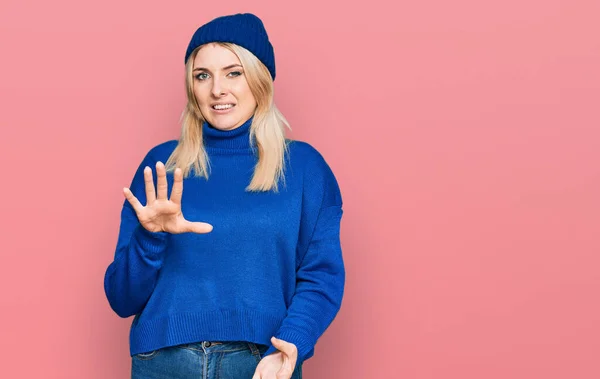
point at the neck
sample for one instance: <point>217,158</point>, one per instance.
<point>234,139</point>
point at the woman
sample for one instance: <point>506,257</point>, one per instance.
<point>251,250</point>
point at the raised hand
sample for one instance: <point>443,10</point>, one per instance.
<point>280,364</point>
<point>161,214</point>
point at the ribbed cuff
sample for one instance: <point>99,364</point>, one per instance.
<point>151,244</point>
<point>302,343</point>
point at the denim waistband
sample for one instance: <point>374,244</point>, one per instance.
<point>223,345</point>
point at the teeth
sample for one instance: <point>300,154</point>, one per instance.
<point>224,106</point>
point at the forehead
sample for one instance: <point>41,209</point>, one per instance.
<point>215,56</point>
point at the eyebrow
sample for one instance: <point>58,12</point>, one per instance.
<point>224,68</point>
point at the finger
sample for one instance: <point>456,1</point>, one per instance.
<point>177,190</point>
<point>135,203</point>
<point>284,373</point>
<point>284,370</point>
<point>284,346</point>
<point>161,181</point>
<point>149,184</point>
<point>198,227</point>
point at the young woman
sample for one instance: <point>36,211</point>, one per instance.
<point>250,250</point>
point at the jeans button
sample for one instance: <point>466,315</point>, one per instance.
<point>207,344</point>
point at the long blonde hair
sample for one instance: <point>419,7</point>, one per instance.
<point>268,127</point>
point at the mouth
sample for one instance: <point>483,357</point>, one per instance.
<point>222,108</point>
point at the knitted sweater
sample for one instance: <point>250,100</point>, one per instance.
<point>271,266</point>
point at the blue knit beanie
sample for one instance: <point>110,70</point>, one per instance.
<point>243,29</point>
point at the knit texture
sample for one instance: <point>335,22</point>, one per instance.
<point>272,265</point>
<point>243,29</point>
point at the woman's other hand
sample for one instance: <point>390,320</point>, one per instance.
<point>161,214</point>
<point>280,364</point>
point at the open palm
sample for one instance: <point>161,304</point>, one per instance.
<point>161,214</point>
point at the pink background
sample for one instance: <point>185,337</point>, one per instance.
<point>465,137</point>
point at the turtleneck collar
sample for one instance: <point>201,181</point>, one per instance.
<point>235,139</point>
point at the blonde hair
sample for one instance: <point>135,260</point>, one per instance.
<point>268,127</point>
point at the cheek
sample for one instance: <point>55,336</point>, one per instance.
<point>200,96</point>
<point>246,95</point>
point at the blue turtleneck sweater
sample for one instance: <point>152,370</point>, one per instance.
<point>271,266</point>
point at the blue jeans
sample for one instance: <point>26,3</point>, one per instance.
<point>202,360</point>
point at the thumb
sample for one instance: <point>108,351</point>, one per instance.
<point>281,345</point>
<point>199,227</point>
<point>276,342</point>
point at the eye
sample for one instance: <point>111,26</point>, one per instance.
<point>235,73</point>
<point>201,77</point>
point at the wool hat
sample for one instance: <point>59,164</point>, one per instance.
<point>243,29</point>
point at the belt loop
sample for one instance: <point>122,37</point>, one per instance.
<point>254,349</point>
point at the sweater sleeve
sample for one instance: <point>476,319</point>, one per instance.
<point>131,277</point>
<point>320,277</point>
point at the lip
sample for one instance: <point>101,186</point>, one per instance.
<point>222,111</point>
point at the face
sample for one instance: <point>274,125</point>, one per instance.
<point>221,88</point>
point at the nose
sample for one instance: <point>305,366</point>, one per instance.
<point>217,89</point>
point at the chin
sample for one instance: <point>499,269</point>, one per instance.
<point>226,122</point>
<point>222,124</point>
